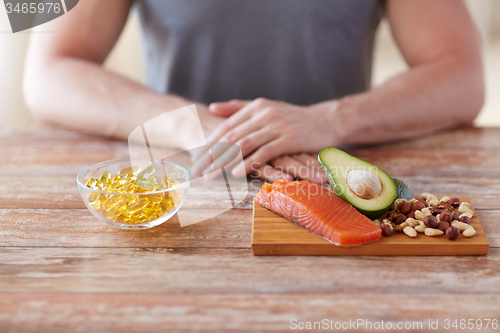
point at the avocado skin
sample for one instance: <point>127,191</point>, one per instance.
<point>371,214</point>
<point>404,191</point>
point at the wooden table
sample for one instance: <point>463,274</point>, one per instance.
<point>62,270</point>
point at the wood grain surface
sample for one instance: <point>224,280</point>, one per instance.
<point>275,235</point>
<point>62,270</point>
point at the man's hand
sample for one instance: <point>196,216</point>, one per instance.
<point>265,130</point>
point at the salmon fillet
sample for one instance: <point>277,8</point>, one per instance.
<point>318,210</point>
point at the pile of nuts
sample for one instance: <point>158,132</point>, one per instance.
<point>429,216</point>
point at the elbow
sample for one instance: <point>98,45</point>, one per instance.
<point>33,93</point>
<point>475,97</point>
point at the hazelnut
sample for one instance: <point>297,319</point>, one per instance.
<point>454,216</point>
<point>430,221</point>
<point>386,229</point>
<point>411,214</point>
<point>400,219</point>
<point>465,219</point>
<point>455,202</point>
<point>405,208</point>
<point>443,225</point>
<point>426,204</point>
<point>419,205</point>
<point>452,233</point>
<point>446,215</point>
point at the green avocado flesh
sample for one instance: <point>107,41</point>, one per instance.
<point>403,190</point>
<point>365,186</point>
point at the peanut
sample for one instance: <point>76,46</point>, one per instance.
<point>433,232</point>
<point>411,222</point>
<point>420,228</point>
<point>426,211</point>
<point>419,215</point>
<point>460,225</point>
<point>469,232</point>
<point>469,215</point>
<point>410,232</point>
<point>425,195</point>
<point>432,200</point>
<point>444,199</point>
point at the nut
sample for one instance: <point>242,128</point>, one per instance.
<point>452,233</point>
<point>420,228</point>
<point>444,199</point>
<point>460,225</point>
<point>454,216</point>
<point>377,222</point>
<point>425,195</point>
<point>436,210</point>
<point>410,232</point>
<point>405,208</point>
<point>469,232</point>
<point>446,215</point>
<point>465,219</point>
<point>400,219</point>
<point>430,221</point>
<point>455,202</point>
<point>426,211</point>
<point>411,222</point>
<point>469,215</point>
<point>465,208</point>
<point>432,200</point>
<point>386,229</point>
<point>411,215</point>
<point>443,226</point>
<point>433,232</point>
<point>418,205</point>
<point>419,215</point>
<point>397,204</point>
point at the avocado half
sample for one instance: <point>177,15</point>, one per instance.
<point>368,188</point>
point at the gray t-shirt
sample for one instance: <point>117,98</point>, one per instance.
<point>298,51</point>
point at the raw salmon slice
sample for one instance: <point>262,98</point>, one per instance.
<point>318,210</point>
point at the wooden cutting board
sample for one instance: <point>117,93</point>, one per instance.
<point>274,235</point>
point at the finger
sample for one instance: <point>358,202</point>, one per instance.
<point>225,160</point>
<point>298,169</point>
<point>236,119</point>
<point>206,162</point>
<point>271,174</point>
<point>311,161</point>
<point>307,159</point>
<point>226,109</point>
<point>262,155</point>
<point>246,145</point>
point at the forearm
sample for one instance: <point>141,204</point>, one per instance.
<point>83,96</point>
<point>427,98</point>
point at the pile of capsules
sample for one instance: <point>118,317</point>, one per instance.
<point>132,203</point>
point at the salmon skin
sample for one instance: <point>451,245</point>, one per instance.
<point>318,210</point>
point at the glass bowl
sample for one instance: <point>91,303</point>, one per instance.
<point>138,209</point>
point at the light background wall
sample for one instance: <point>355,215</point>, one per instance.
<point>126,60</point>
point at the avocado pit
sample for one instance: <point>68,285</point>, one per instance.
<point>364,184</point>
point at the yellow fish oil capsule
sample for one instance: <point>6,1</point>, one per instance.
<point>134,170</point>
